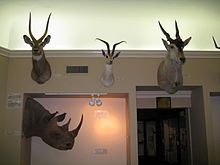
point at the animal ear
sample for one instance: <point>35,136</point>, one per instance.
<point>103,53</point>
<point>27,40</point>
<point>116,55</point>
<point>66,126</point>
<point>49,117</point>
<point>46,40</point>
<point>165,44</point>
<point>60,117</point>
<point>186,41</point>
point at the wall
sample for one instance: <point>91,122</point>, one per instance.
<point>3,82</point>
<point>215,103</point>
<point>70,21</point>
<point>198,135</point>
<point>129,73</point>
<point>3,87</point>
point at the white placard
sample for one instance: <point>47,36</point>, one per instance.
<point>101,114</point>
<point>14,100</point>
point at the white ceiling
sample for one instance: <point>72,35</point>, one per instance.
<point>76,24</point>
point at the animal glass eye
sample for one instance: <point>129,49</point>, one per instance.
<point>171,46</point>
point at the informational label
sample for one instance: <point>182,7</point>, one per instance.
<point>101,114</point>
<point>14,100</point>
<point>12,133</point>
<point>100,151</point>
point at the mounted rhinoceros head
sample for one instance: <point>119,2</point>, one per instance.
<point>37,121</point>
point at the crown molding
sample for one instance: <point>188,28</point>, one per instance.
<point>4,52</point>
<point>154,94</point>
<point>98,53</point>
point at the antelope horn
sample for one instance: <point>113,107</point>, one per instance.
<point>31,35</point>
<point>177,31</point>
<point>114,46</point>
<point>165,33</point>
<point>215,43</point>
<point>74,132</point>
<point>45,33</point>
<point>61,117</point>
<point>107,44</point>
<point>66,126</point>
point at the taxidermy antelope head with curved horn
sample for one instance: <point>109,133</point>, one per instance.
<point>107,78</point>
<point>37,121</point>
<point>215,43</point>
<point>169,74</point>
<point>41,71</point>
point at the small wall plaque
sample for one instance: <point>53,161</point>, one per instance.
<point>101,114</point>
<point>14,100</point>
<point>163,102</point>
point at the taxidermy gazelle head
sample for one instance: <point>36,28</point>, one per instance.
<point>107,78</point>
<point>41,71</point>
<point>216,45</point>
<point>170,70</point>
<point>110,55</point>
<point>37,121</point>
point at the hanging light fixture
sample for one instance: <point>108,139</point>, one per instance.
<point>98,101</point>
<point>95,101</point>
<point>92,100</point>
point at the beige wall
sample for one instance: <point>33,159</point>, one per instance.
<point>129,73</point>
<point>215,104</point>
<point>198,135</point>
<point>3,86</point>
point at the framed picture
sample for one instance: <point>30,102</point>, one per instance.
<point>163,102</point>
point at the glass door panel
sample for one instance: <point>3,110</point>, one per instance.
<point>141,138</point>
<point>170,139</point>
<point>151,138</point>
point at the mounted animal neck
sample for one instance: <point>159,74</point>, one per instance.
<point>37,121</point>
<point>169,75</point>
<point>41,71</point>
<point>107,77</point>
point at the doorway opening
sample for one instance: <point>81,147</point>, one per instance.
<point>103,131</point>
<point>163,136</point>
<point>190,98</point>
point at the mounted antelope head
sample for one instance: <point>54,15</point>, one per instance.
<point>169,74</point>
<point>41,71</point>
<point>107,78</point>
<point>37,121</point>
<point>215,43</point>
